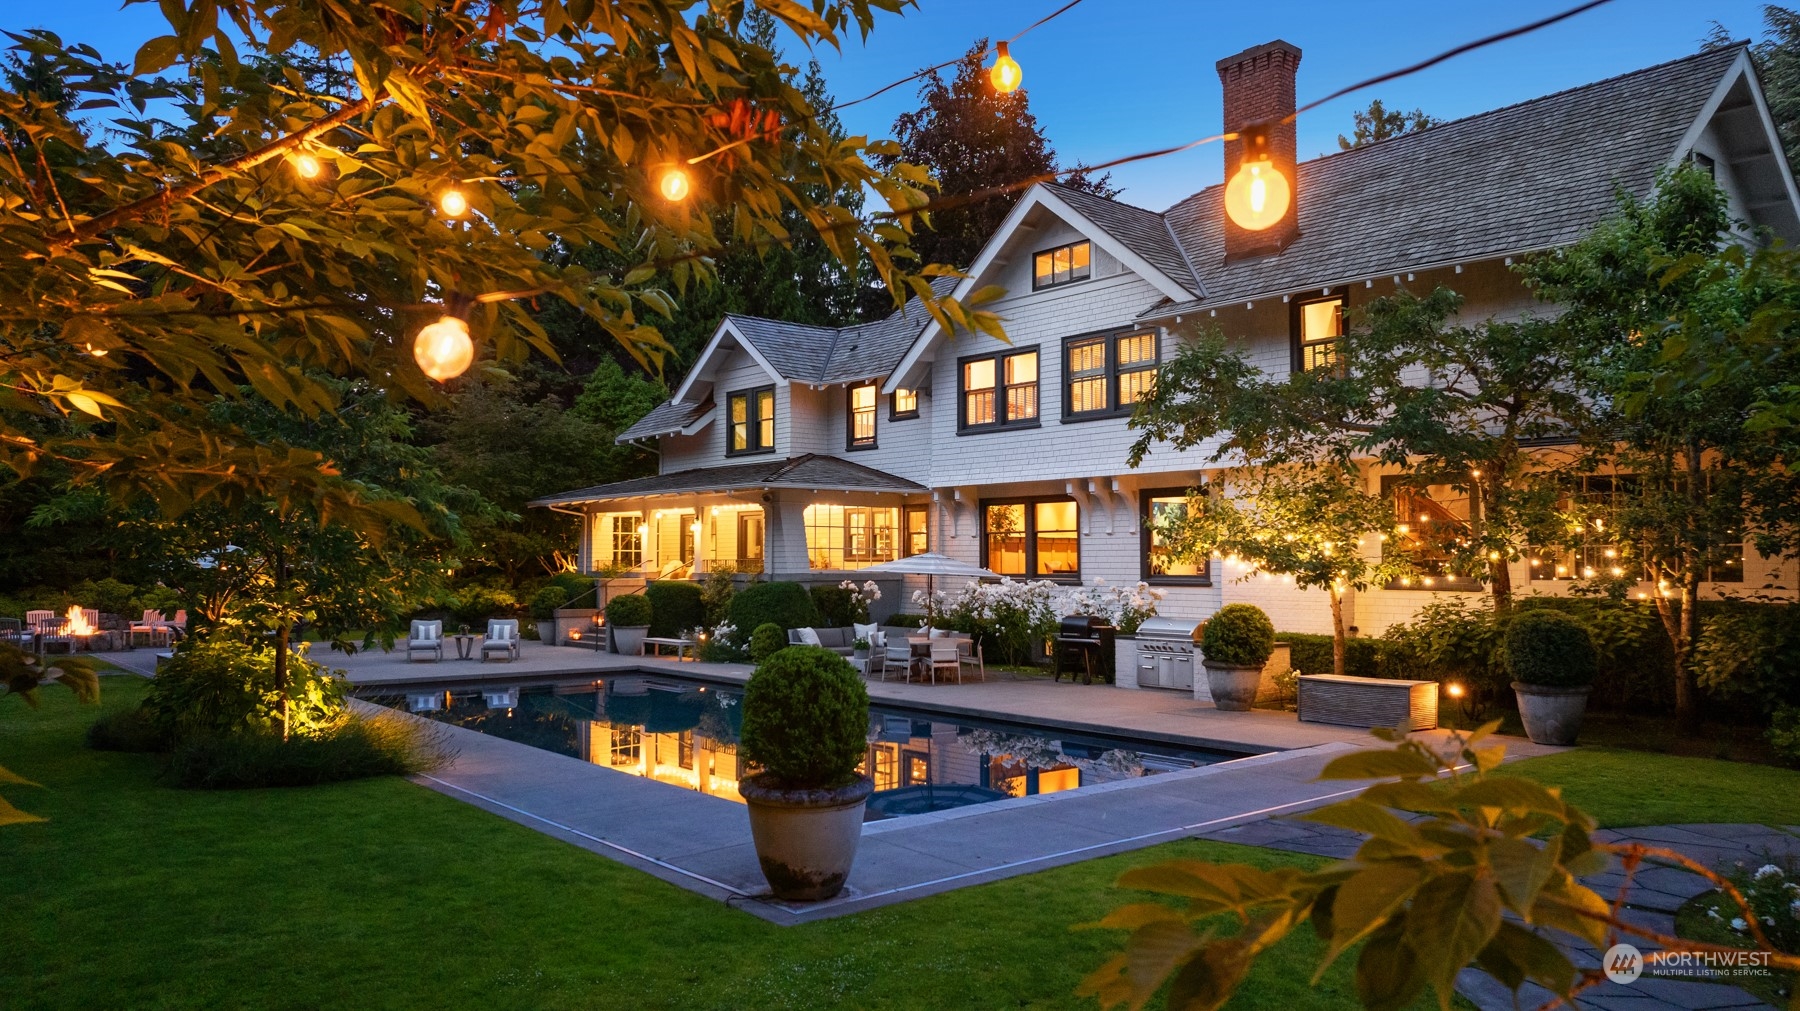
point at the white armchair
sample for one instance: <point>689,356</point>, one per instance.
<point>426,637</point>
<point>502,637</point>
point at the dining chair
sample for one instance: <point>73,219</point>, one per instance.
<point>946,655</point>
<point>897,656</point>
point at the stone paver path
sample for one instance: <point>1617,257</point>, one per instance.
<point>1656,893</point>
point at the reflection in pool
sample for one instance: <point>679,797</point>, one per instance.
<point>685,734</point>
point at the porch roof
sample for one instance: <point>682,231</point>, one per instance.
<point>811,471</point>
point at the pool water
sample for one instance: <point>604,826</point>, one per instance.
<point>684,733</point>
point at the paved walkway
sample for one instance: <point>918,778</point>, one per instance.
<point>1657,892</point>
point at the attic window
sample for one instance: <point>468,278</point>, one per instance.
<point>1073,262</point>
<point>1704,163</point>
<point>752,421</point>
<point>906,405</point>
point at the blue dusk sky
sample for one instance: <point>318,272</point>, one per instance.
<point>1113,77</point>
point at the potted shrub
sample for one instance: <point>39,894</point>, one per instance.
<point>629,618</point>
<point>859,650</point>
<point>543,608</point>
<point>1234,646</point>
<point>1551,659</point>
<point>806,716</point>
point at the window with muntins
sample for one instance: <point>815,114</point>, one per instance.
<point>905,405</point>
<point>751,427</point>
<point>1431,524</point>
<point>850,537</point>
<point>1158,508</point>
<point>918,530</point>
<point>1032,537</point>
<point>861,409</point>
<point>1318,323</point>
<point>1000,391</point>
<point>1107,374</point>
<point>1061,265</point>
<point>627,540</point>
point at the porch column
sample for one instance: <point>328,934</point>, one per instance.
<point>784,539</point>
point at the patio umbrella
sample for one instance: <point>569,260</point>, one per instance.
<point>931,565</point>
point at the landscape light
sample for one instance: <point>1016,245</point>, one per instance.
<point>1005,73</point>
<point>1258,194</point>
<point>674,183</point>
<point>1454,690</point>
<point>453,203</point>
<point>443,349</point>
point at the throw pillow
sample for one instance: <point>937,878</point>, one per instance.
<point>810,636</point>
<point>871,632</point>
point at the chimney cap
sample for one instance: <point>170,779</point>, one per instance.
<point>1255,51</point>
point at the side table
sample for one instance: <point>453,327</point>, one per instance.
<point>465,644</point>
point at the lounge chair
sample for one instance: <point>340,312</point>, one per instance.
<point>426,637</point>
<point>502,637</point>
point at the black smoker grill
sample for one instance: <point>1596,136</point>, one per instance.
<point>1084,643</point>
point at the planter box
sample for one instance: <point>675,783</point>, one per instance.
<point>1265,690</point>
<point>1368,702</point>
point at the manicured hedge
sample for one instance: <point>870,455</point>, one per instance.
<point>785,604</point>
<point>675,607</point>
<point>837,608</point>
<point>1311,654</point>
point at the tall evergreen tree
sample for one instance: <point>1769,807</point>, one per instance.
<point>975,140</point>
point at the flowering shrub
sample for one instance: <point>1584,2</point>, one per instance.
<point>1010,617</point>
<point>861,596</point>
<point>1772,891</point>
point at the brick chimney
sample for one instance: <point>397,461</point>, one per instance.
<point>1259,87</point>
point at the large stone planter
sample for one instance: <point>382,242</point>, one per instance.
<point>629,640</point>
<point>1551,715</point>
<point>805,839</point>
<point>546,631</point>
<point>1233,686</point>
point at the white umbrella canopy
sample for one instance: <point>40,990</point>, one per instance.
<point>931,565</point>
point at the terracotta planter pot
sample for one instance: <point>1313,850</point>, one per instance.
<point>1233,686</point>
<point>630,640</point>
<point>1551,715</point>
<point>806,839</point>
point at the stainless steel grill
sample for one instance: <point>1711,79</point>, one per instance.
<point>1166,654</point>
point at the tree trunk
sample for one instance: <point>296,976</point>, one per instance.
<point>281,644</point>
<point>1499,572</point>
<point>1687,702</point>
<point>1500,581</point>
<point>1337,628</point>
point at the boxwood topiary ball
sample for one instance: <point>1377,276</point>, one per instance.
<point>806,719</point>
<point>1550,649</point>
<point>1240,635</point>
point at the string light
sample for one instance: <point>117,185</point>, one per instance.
<point>453,203</point>
<point>307,166</point>
<point>443,349</point>
<point>674,183</point>
<point>1258,195</point>
<point>1006,73</point>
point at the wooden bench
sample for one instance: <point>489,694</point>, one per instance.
<point>1368,702</point>
<point>654,646</point>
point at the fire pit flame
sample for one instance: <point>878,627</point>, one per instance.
<point>78,623</point>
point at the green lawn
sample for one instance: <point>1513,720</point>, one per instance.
<point>1622,788</point>
<point>384,894</point>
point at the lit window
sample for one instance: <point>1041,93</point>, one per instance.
<point>1159,508</point>
<point>1038,537</point>
<point>1108,374</point>
<point>850,537</point>
<point>1432,526</point>
<point>1317,326</point>
<point>1000,390</point>
<point>751,415</point>
<point>906,405</point>
<point>1062,265</point>
<point>625,540</point>
<point>862,416</point>
<point>918,530</point>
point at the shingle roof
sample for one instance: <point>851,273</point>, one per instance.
<point>826,473</point>
<point>819,354</point>
<point>1530,176</point>
<point>666,418</point>
<point>1145,233</point>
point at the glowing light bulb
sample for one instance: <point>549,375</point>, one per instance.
<point>1493,556</point>
<point>674,183</point>
<point>443,349</point>
<point>1258,195</point>
<point>308,166</point>
<point>1005,73</point>
<point>453,203</point>
<point>1454,690</point>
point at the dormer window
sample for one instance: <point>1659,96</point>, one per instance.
<point>1073,262</point>
<point>752,422</point>
<point>906,405</point>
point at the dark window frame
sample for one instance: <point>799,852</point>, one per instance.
<point>850,443</point>
<point>1001,422</point>
<point>753,421</point>
<point>1144,531</point>
<point>1296,346</point>
<point>906,514</point>
<point>894,411</point>
<point>1112,373</point>
<point>1030,502</point>
<point>1051,251</point>
<point>1440,581</point>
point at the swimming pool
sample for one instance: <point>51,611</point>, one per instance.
<point>684,733</point>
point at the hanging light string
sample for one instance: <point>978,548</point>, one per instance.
<point>884,89</point>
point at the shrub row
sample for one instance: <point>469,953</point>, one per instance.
<point>356,748</point>
<point>785,604</point>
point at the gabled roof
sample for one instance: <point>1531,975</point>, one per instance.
<point>1531,176</point>
<point>809,472</point>
<point>1145,232</point>
<point>668,418</point>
